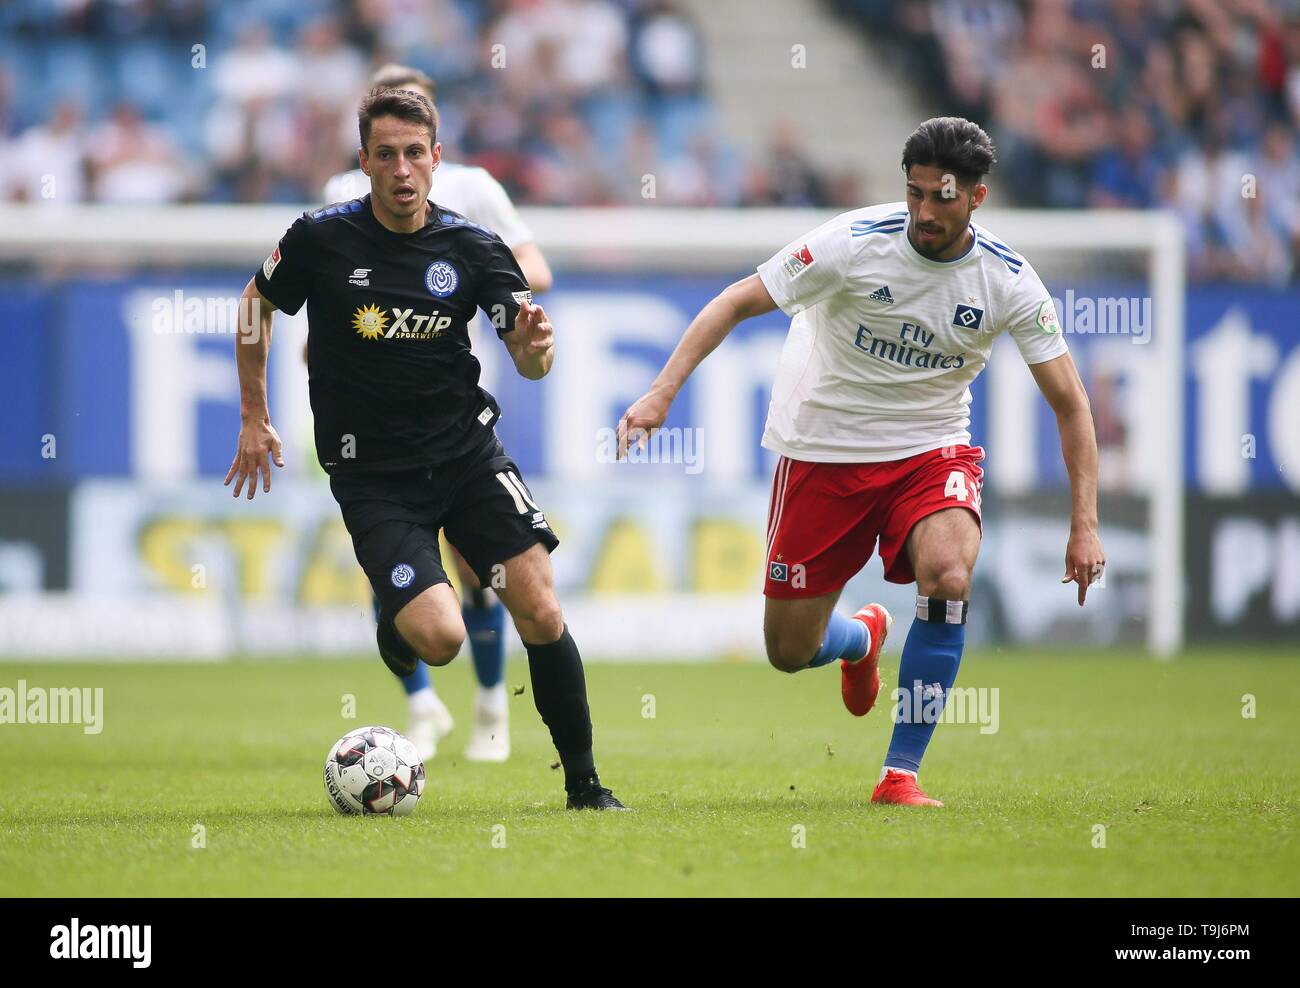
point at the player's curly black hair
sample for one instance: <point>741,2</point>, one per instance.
<point>383,101</point>
<point>954,144</point>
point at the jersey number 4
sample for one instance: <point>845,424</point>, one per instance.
<point>956,487</point>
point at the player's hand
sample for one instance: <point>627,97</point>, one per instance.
<point>257,441</point>
<point>645,415</point>
<point>536,333</point>
<point>1085,561</point>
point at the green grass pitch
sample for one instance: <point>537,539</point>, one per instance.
<point>738,765</point>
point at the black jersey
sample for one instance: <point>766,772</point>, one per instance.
<point>393,382</point>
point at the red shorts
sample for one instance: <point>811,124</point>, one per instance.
<point>825,518</point>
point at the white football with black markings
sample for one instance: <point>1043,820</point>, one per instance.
<point>374,770</point>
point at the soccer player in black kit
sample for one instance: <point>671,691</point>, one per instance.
<point>402,427</point>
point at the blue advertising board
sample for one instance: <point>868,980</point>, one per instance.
<point>111,369</point>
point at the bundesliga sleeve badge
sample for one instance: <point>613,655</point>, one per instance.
<point>796,261</point>
<point>268,266</point>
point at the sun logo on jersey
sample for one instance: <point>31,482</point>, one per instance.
<point>369,322</point>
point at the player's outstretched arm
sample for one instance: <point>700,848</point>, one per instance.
<point>257,438</point>
<point>737,302</point>
<point>1059,382</point>
<point>532,344</point>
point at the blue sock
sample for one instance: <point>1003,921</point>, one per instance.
<point>485,625</point>
<point>845,639</point>
<point>931,656</point>
<point>417,680</point>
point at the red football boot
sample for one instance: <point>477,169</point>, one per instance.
<point>900,788</point>
<point>860,681</point>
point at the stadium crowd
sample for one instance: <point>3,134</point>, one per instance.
<point>567,102</point>
<point>1193,105</point>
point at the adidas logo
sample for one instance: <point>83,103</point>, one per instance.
<point>881,294</point>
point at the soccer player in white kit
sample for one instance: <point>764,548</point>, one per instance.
<point>894,309</point>
<point>479,197</point>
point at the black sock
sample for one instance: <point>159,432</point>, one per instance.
<point>560,693</point>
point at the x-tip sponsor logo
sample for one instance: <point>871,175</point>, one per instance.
<point>102,942</point>
<point>371,323</point>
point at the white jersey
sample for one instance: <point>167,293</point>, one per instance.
<point>464,189</point>
<point>884,342</point>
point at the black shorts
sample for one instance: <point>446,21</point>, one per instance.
<point>480,500</point>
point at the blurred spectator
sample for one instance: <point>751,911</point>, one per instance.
<point>567,169</point>
<point>1127,174</point>
<point>566,102</point>
<point>7,122</point>
<point>254,70</point>
<point>974,36</point>
<point>1293,72</point>
<point>1102,103</point>
<point>49,161</point>
<point>1277,173</point>
<point>335,70</point>
<point>706,175</point>
<point>667,51</point>
<point>133,161</point>
<point>249,144</point>
<point>1210,195</point>
<point>1125,103</point>
<point>591,41</point>
<point>785,177</point>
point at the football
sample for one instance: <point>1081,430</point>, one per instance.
<point>374,770</point>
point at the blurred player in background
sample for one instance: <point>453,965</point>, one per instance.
<point>894,310</point>
<point>475,194</point>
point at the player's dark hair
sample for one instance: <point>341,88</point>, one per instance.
<point>394,76</point>
<point>954,144</point>
<point>401,103</point>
